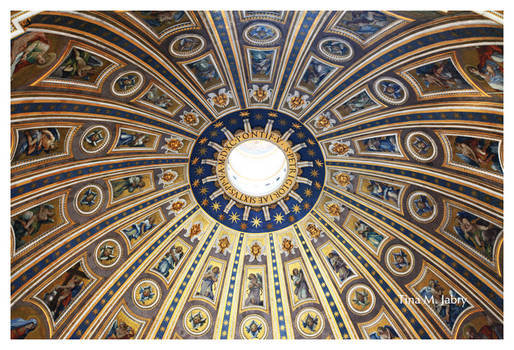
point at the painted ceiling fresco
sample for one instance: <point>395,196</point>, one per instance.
<point>125,225</point>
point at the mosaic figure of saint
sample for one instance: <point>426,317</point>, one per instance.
<point>170,260</point>
<point>255,285</point>
<point>120,330</point>
<point>138,229</point>
<point>61,295</point>
<point>384,332</point>
<point>31,48</point>
<point>368,233</point>
<point>301,288</point>
<point>127,184</point>
<point>20,327</point>
<point>209,280</point>
<point>338,265</point>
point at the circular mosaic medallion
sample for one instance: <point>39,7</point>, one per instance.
<point>399,260</point>
<point>146,294</point>
<point>422,206</point>
<point>94,139</point>
<point>197,320</point>
<point>257,171</point>
<point>309,322</point>
<point>261,34</point>
<point>253,327</point>
<point>361,299</point>
<point>88,199</point>
<point>187,45</point>
<point>108,253</point>
<point>336,49</point>
<point>391,90</point>
<point>421,146</point>
<point>127,83</point>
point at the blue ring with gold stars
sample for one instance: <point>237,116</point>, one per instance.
<point>296,206</point>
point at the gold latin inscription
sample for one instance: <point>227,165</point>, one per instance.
<point>235,194</point>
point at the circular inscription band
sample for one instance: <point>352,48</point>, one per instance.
<point>233,192</point>
<point>256,170</point>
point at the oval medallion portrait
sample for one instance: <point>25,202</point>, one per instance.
<point>261,34</point>
<point>309,322</point>
<point>94,139</point>
<point>127,83</point>
<point>421,146</point>
<point>336,49</point>
<point>187,45</point>
<point>197,320</point>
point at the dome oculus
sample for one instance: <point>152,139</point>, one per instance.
<point>257,170</point>
<point>256,167</point>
